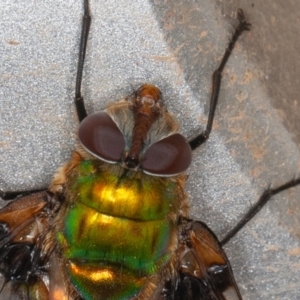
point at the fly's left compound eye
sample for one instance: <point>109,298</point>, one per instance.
<point>169,156</point>
<point>101,137</point>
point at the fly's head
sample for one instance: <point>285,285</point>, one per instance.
<point>137,133</point>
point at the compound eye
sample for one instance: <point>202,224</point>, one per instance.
<point>169,156</point>
<point>101,137</point>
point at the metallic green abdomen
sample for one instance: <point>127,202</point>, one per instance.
<point>116,232</point>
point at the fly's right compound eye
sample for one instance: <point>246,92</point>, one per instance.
<point>101,137</point>
<point>170,156</point>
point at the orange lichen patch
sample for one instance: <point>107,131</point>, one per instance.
<point>248,76</point>
<point>242,96</point>
<point>203,34</point>
<point>272,247</point>
<point>258,152</point>
<point>232,79</point>
<point>294,252</point>
<point>256,171</point>
<point>13,43</point>
<point>163,57</point>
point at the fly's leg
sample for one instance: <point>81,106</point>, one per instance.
<point>216,80</point>
<point>203,269</point>
<point>79,101</point>
<point>12,195</point>
<point>25,246</point>
<point>264,198</point>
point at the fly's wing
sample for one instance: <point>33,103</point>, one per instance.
<point>25,246</point>
<point>204,271</point>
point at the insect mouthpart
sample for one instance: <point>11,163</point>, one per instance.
<point>131,162</point>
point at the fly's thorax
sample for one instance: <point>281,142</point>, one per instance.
<point>113,190</point>
<point>85,166</point>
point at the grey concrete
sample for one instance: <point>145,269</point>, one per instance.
<point>175,45</point>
